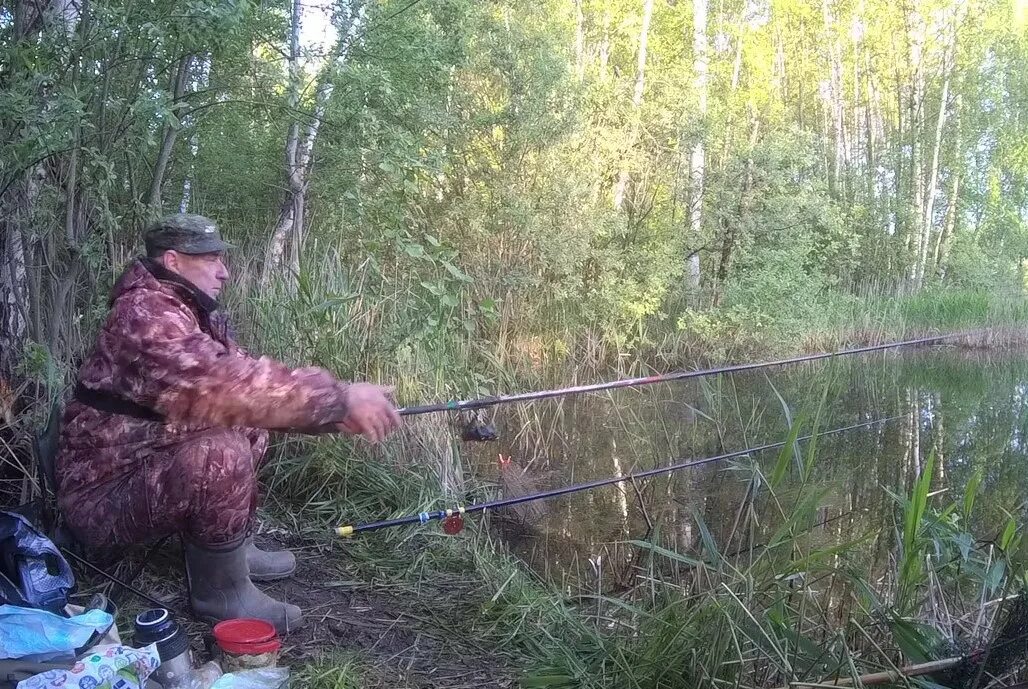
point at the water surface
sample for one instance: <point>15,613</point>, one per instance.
<point>967,408</point>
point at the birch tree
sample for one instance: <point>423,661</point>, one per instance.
<point>624,175</point>
<point>287,237</point>
<point>697,161</point>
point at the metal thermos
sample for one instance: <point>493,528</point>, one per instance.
<point>156,626</point>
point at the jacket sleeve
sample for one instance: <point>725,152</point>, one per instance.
<point>164,361</point>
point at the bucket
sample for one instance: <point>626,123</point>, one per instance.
<point>247,644</point>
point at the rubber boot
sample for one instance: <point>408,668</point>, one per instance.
<point>220,588</point>
<point>268,565</point>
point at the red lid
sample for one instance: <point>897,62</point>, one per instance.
<point>241,635</point>
<point>251,649</point>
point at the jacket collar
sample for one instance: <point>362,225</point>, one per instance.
<point>202,300</point>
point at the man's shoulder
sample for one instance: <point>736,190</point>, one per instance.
<point>141,306</point>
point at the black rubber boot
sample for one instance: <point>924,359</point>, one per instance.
<point>268,565</point>
<point>220,588</point>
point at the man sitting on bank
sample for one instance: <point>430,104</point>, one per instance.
<point>169,422</point>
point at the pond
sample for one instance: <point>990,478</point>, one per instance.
<point>965,408</point>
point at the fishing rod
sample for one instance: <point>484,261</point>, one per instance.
<point>483,402</point>
<point>453,518</point>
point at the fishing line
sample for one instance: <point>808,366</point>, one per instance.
<point>454,515</point>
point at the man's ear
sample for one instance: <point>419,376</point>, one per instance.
<point>169,259</point>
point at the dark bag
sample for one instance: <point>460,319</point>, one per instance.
<point>33,573</point>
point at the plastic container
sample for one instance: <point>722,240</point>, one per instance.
<point>247,644</point>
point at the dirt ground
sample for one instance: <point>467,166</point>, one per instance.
<point>401,638</point>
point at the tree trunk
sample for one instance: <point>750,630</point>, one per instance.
<point>287,219</point>
<point>200,79</point>
<point>836,96</point>
<point>21,267</point>
<point>928,218</point>
<point>177,89</point>
<point>637,98</point>
<point>697,157</point>
<point>916,126</point>
<point>14,316</point>
<point>945,239</point>
<point>284,246</point>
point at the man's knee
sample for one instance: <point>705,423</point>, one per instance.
<point>228,490</point>
<point>227,455</point>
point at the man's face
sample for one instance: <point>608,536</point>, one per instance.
<point>206,271</point>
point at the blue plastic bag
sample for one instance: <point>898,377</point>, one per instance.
<point>40,635</point>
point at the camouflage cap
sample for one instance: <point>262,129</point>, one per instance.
<point>185,233</point>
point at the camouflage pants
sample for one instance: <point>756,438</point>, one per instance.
<point>204,487</point>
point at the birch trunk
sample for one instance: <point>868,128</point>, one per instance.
<point>21,264</point>
<point>836,96</point>
<point>916,126</point>
<point>286,241</point>
<point>945,239</point>
<point>287,217</point>
<point>697,157</point>
<point>177,88</point>
<point>637,98</point>
<point>928,217</point>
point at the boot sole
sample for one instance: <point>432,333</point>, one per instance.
<point>272,577</point>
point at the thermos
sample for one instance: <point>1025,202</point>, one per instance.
<point>156,626</point>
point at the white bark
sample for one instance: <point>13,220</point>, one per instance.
<point>927,219</point>
<point>177,88</point>
<point>946,235</point>
<point>836,97</point>
<point>915,125</point>
<point>697,157</point>
<point>21,317</point>
<point>13,301</point>
<point>287,216</point>
<point>637,98</point>
<point>287,238</point>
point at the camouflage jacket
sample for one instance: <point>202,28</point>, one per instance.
<point>166,350</point>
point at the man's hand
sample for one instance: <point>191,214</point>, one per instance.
<point>371,412</point>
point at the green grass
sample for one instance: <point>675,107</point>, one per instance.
<point>337,671</point>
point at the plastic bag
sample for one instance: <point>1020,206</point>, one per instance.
<point>260,678</point>
<point>104,667</point>
<point>42,635</point>
<point>33,573</point>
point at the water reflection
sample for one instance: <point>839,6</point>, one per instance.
<point>968,408</point>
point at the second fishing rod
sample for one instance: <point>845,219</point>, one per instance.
<point>457,512</point>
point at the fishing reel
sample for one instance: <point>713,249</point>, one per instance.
<point>477,429</point>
